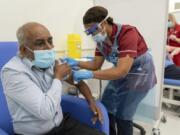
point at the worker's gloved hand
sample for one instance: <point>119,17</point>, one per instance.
<point>72,62</point>
<point>82,74</point>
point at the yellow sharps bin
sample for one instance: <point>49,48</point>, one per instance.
<point>74,46</point>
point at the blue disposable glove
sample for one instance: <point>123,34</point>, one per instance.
<point>71,62</point>
<point>82,74</point>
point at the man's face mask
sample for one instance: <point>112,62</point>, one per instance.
<point>43,58</point>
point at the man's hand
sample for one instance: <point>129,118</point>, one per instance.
<point>61,70</point>
<point>96,111</point>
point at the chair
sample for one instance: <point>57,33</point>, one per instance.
<point>2,132</point>
<point>142,130</point>
<point>79,110</point>
<point>7,51</point>
<point>171,82</point>
<point>172,86</point>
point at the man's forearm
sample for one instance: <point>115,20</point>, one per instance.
<point>85,90</point>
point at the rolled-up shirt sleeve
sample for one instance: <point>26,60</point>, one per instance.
<point>98,53</point>
<point>19,87</point>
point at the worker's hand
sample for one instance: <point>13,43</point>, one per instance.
<point>175,52</point>
<point>82,74</point>
<point>173,37</point>
<point>71,62</point>
<point>61,70</point>
<point>96,111</point>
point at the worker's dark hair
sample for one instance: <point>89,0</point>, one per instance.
<point>96,14</point>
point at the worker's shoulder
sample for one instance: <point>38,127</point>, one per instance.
<point>126,31</point>
<point>15,64</point>
<point>126,28</point>
<point>177,28</point>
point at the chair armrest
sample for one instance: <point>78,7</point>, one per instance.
<point>79,110</point>
<point>172,82</point>
<point>2,132</point>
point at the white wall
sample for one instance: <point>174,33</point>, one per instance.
<point>60,16</point>
<point>150,17</point>
<point>172,10</point>
<point>172,4</point>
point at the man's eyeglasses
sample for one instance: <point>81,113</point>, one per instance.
<point>42,42</point>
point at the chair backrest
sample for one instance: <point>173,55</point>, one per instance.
<point>7,51</point>
<point>2,132</point>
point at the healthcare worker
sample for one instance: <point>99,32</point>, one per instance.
<point>173,31</point>
<point>173,38</point>
<point>172,68</point>
<point>132,75</point>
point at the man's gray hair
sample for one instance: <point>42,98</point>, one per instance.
<point>21,36</point>
<point>23,32</point>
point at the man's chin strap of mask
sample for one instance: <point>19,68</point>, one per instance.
<point>29,49</point>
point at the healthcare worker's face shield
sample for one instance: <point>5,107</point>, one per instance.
<point>95,28</point>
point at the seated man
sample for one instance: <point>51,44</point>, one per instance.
<point>32,83</point>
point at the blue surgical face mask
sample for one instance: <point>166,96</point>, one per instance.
<point>43,58</point>
<point>99,38</point>
<point>170,24</point>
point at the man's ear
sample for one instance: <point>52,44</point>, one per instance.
<point>22,50</point>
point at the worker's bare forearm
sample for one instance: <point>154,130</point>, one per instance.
<point>90,65</point>
<point>120,70</point>
<point>110,74</point>
<point>95,64</point>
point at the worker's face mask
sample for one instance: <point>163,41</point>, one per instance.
<point>170,24</point>
<point>100,37</point>
<point>43,58</point>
